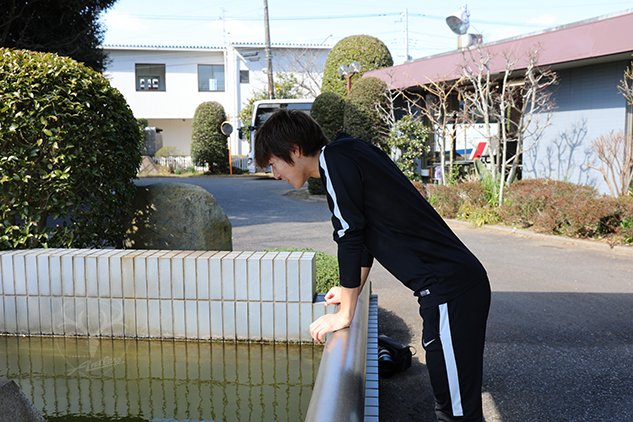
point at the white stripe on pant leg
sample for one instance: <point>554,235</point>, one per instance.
<point>449,358</point>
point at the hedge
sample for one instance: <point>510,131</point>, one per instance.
<point>69,149</point>
<point>543,205</point>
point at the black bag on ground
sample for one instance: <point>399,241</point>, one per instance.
<point>393,357</point>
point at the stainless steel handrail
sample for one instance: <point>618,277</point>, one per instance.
<point>339,389</point>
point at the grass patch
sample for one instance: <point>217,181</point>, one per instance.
<point>327,275</point>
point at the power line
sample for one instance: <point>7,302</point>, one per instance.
<point>258,18</point>
<point>319,18</point>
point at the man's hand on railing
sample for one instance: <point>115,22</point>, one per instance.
<point>329,323</point>
<point>342,318</point>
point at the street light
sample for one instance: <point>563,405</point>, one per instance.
<point>347,72</point>
<point>459,22</point>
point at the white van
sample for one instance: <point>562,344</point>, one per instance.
<point>261,112</point>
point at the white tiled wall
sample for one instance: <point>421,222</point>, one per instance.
<point>164,294</point>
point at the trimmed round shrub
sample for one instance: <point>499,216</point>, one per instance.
<point>369,51</point>
<point>361,118</point>
<point>69,150</point>
<point>208,145</point>
<point>327,110</point>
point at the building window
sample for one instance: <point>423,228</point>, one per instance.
<point>210,77</point>
<point>150,77</point>
<point>244,77</point>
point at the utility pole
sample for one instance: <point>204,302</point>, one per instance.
<point>407,57</point>
<point>269,56</point>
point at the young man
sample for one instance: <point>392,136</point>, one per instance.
<point>377,212</point>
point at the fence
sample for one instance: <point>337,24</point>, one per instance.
<point>185,162</point>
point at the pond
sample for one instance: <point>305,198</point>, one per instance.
<point>97,379</point>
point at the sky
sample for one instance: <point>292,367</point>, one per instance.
<point>419,25</point>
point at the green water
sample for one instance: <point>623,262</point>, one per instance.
<point>89,379</point>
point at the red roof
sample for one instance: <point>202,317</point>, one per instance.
<point>591,39</point>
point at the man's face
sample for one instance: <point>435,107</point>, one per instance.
<point>294,173</point>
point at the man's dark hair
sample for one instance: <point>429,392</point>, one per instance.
<point>284,130</point>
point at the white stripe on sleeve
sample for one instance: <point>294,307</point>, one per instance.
<point>330,190</point>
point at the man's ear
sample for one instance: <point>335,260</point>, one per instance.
<point>295,151</point>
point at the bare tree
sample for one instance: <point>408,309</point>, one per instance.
<point>438,111</point>
<point>614,167</point>
<point>626,89</point>
<point>307,67</point>
<point>524,112</point>
<point>615,150</point>
<point>432,102</point>
<point>626,84</point>
<point>477,92</point>
<point>519,101</point>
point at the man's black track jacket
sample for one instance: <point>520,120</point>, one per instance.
<point>377,212</point>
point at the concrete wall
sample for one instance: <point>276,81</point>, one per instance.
<point>176,133</point>
<point>588,105</point>
<point>159,294</point>
<point>181,95</point>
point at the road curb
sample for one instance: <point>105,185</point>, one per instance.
<point>568,241</point>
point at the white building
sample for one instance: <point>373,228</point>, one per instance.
<point>165,84</point>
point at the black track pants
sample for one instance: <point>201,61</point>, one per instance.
<point>453,337</point>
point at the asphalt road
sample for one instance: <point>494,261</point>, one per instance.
<point>560,333</point>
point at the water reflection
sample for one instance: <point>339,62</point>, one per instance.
<point>157,380</point>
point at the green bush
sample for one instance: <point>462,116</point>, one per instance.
<point>327,275</point>
<point>208,145</point>
<point>369,51</point>
<point>361,118</point>
<point>626,229</point>
<point>478,215</point>
<point>410,138</point>
<point>327,110</point>
<point>69,149</point>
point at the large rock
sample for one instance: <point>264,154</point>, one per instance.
<point>178,216</point>
<point>14,405</point>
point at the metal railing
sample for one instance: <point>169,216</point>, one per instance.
<point>339,390</point>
